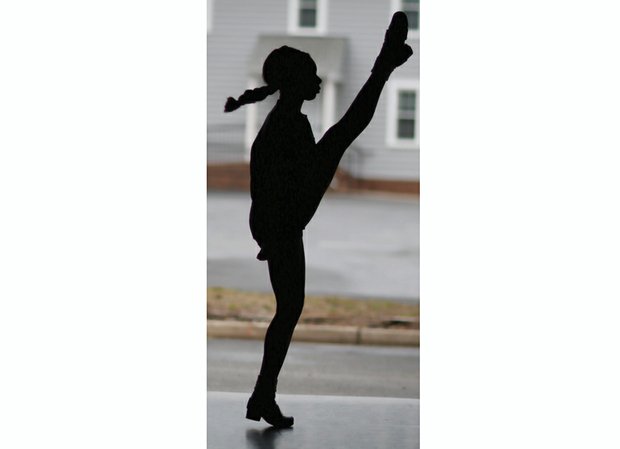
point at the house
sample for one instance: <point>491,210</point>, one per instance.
<point>344,38</point>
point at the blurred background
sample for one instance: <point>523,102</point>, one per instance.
<point>363,243</point>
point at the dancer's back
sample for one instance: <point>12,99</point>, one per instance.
<point>281,168</point>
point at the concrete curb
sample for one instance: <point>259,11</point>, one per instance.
<point>317,333</point>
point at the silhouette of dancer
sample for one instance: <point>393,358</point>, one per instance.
<point>290,173</point>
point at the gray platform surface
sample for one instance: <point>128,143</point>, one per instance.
<point>321,422</point>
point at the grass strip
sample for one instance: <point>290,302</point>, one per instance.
<point>231,304</point>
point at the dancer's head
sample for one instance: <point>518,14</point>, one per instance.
<point>291,71</point>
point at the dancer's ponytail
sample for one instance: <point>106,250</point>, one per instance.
<point>249,96</point>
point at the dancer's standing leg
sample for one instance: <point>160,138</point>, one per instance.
<point>287,271</point>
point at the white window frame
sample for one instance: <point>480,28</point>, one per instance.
<point>391,117</point>
<point>321,19</point>
<point>397,5</point>
<point>209,15</point>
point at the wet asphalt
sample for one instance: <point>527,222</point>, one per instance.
<point>361,246</point>
<point>318,369</point>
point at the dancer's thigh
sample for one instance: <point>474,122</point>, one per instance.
<point>287,270</point>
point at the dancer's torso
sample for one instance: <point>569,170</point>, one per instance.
<point>281,170</point>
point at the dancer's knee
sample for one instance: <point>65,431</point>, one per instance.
<point>290,308</point>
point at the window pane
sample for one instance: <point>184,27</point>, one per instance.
<point>406,100</point>
<point>307,18</point>
<point>413,17</point>
<point>406,129</point>
<point>412,9</point>
<point>307,13</point>
<point>411,5</point>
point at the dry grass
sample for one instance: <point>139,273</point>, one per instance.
<point>228,304</point>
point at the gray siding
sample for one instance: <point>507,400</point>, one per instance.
<point>236,26</point>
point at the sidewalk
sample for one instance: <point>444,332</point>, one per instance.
<point>320,422</point>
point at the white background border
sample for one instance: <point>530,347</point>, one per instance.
<point>103,224</point>
<point>102,236</point>
<point>519,225</point>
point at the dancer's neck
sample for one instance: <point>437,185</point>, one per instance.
<point>290,104</point>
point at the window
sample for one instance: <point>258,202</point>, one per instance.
<point>307,16</point>
<point>402,117</point>
<point>307,13</point>
<point>406,114</point>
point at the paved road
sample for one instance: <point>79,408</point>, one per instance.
<point>318,369</point>
<point>359,246</point>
